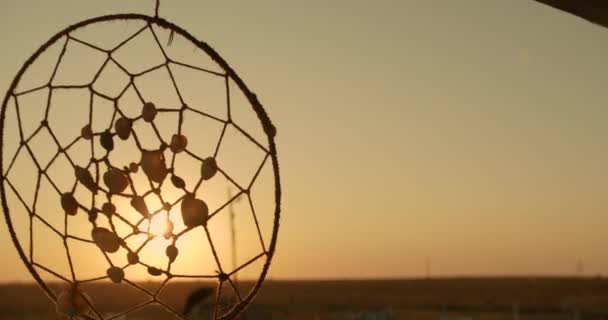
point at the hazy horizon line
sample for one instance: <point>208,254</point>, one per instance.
<point>365,279</point>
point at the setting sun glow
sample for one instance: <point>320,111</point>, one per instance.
<point>157,226</point>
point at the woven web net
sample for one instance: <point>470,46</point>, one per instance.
<point>126,164</point>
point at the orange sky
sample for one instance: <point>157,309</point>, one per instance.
<point>472,134</point>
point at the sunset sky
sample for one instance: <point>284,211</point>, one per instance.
<point>470,134</point>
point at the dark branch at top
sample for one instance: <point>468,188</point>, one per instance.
<point>595,11</point>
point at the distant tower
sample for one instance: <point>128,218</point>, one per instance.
<point>233,232</point>
<point>580,268</point>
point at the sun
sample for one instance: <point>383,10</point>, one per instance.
<point>158,226</point>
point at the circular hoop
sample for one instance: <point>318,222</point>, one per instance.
<point>267,125</point>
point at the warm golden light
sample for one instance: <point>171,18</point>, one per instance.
<point>157,226</point>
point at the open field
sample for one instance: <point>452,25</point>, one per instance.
<point>488,298</point>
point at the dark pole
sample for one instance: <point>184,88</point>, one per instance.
<point>232,234</point>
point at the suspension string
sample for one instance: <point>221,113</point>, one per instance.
<point>172,33</point>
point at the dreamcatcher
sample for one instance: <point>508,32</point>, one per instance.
<point>102,157</point>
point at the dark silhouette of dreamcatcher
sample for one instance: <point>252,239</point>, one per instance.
<point>124,173</point>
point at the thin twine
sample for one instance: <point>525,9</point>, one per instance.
<point>43,170</point>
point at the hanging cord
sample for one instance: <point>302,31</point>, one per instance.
<point>172,34</point>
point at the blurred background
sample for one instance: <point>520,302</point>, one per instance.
<point>436,157</point>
